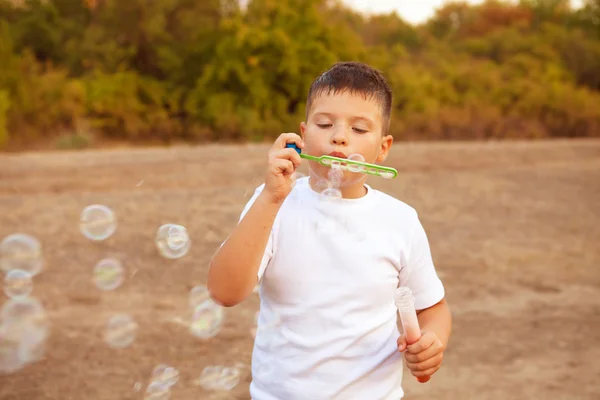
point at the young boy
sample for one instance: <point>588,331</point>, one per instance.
<point>332,291</point>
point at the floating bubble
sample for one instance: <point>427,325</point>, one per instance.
<point>209,379</point>
<point>108,274</point>
<point>21,251</point>
<point>229,378</point>
<point>321,185</point>
<point>17,283</point>
<point>177,237</point>
<point>356,168</point>
<point>157,391</point>
<point>97,222</point>
<point>120,331</point>
<point>207,320</point>
<point>137,386</point>
<point>198,295</point>
<point>172,241</point>
<point>165,375</point>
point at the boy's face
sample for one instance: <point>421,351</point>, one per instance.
<point>345,125</point>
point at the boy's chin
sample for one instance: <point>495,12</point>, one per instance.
<point>337,179</point>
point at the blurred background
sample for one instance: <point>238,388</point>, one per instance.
<point>78,73</point>
<point>133,132</point>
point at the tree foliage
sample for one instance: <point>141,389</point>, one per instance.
<point>193,70</point>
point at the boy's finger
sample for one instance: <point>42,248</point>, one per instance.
<point>431,362</point>
<point>422,344</point>
<point>401,342</point>
<point>426,354</point>
<point>286,138</point>
<point>288,154</point>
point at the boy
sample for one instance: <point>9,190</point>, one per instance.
<point>332,292</point>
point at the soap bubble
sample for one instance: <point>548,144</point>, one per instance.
<point>17,283</point>
<point>97,222</point>
<point>157,391</point>
<point>21,251</point>
<point>207,320</point>
<point>229,378</point>
<point>108,274</point>
<point>165,375</point>
<point>172,241</point>
<point>198,295</point>
<point>209,379</point>
<point>356,168</point>
<point>177,237</point>
<point>120,331</point>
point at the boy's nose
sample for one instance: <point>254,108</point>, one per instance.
<point>338,138</point>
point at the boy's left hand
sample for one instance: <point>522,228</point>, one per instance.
<point>423,357</point>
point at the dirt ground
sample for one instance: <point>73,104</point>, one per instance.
<point>514,229</point>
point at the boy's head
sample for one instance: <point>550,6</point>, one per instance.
<point>348,114</point>
<point>360,80</point>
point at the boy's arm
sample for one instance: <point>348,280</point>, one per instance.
<point>233,270</point>
<point>232,274</point>
<point>437,319</point>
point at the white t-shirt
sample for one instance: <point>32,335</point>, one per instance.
<point>327,326</point>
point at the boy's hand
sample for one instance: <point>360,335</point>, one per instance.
<point>282,164</point>
<point>423,357</point>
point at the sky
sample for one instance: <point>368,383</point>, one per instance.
<point>414,11</point>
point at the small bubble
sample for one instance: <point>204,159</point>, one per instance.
<point>335,178</point>
<point>198,295</point>
<point>165,375</point>
<point>207,320</point>
<point>177,237</point>
<point>17,283</point>
<point>172,241</point>
<point>157,391</point>
<point>209,379</point>
<point>229,378</point>
<point>137,386</point>
<point>97,222</point>
<point>21,251</point>
<point>120,332</point>
<point>108,274</point>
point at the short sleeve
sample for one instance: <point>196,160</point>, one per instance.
<point>268,254</point>
<point>418,272</point>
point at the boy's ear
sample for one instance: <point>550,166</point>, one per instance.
<point>386,144</point>
<point>302,129</point>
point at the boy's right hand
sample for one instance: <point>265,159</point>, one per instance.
<point>282,163</point>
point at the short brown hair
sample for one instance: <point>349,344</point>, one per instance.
<point>358,78</point>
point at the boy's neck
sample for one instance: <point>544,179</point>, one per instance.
<point>353,191</point>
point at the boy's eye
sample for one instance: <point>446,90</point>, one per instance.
<point>324,125</point>
<point>358,130</point>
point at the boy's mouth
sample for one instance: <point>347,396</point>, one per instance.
<point>337,154</point>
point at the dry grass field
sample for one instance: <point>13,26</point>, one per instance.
<point>514,229</point>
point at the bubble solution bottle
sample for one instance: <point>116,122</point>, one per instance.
<point>405,302</point>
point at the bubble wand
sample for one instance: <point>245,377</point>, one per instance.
<point>348,165</point>
<point>405,302</point>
